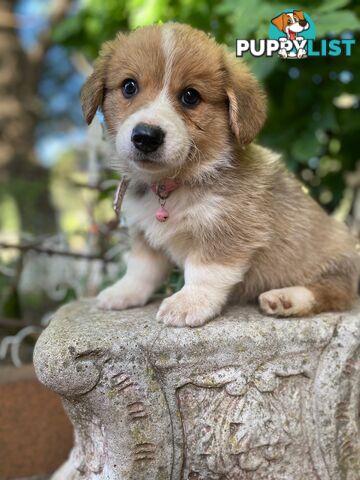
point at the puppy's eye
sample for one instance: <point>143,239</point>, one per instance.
<point>289,21</point>
<point>129,88</point>
<point>190,97</point>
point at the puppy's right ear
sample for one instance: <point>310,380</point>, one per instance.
<point>92,93</point>
<point>246,100</point>
<point>279,21</point>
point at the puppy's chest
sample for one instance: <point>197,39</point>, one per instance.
<point>178,234</point>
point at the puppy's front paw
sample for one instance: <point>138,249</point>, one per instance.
<point>188,307</point>
<point>120,297</point>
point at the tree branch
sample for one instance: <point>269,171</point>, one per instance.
<point>15,323</point>
<point>59,10</point>
<point>81,64</point>
<point>51,251</point>
<point>7,19</point>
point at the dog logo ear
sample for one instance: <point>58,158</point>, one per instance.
<point>280,21</point>
<point>299,14</point>
<point>92,92</point>
<point>247,105</point>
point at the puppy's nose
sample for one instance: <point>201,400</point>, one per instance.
<point>303,23</point>
<point>147,138</point>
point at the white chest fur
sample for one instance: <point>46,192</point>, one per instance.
<point>188,212</point>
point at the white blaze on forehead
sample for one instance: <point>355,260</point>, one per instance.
<point>168,46</point>
<point>159,112</point>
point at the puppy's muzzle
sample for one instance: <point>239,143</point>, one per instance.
<point>147,138</point>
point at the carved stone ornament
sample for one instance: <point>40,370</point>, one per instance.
<point>246,397</point>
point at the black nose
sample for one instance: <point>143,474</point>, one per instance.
<point>303,23</point>
<point>147,138</point>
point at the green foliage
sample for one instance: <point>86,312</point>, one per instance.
<point>11,302</point>
<point>303,120</point>
<point>335,22</point>
<point>97,21</point>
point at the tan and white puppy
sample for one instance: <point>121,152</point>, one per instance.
<point>178,107</point>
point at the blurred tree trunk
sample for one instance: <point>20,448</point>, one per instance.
<point>21,175</point>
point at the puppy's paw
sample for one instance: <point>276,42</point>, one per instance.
<point>286,302</point>
<point>120,297</point>
<point>188,307</point>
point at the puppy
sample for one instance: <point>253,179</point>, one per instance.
<point>182,113</point>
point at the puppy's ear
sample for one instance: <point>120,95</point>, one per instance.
<point>279,21</point>
<point>92,92</point>
<point>247,105</point>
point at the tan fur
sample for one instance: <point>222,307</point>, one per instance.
<point>237,208</point>
<point>125,54</point>
<point>246,101</point>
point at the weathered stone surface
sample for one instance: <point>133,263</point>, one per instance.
<point>244,397</point>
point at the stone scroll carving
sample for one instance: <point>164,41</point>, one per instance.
<point>245,397</point>
<point>248,435</point>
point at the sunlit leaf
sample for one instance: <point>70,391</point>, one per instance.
<point>336,22</point>
<point>329,5</point>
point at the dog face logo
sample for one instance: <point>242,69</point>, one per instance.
<point>292,28</point>
<point>291,23</point>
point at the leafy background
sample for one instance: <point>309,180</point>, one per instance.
<point>59,239</point>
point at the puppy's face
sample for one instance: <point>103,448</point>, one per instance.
<point>172,98</point>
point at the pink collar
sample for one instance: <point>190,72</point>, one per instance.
<point>162,190</point>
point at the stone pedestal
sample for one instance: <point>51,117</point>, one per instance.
<point>244,397</point>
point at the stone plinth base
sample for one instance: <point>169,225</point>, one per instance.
<point>244,397</point>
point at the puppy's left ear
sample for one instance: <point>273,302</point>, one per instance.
<point>247,104</point>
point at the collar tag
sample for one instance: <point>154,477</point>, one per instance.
<point>162,190</point>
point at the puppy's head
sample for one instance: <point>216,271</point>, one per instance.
<point>172,98</point>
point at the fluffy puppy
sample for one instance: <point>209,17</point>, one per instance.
<point>181,113</point>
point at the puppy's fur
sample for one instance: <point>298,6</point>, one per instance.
<point>240,225</point>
